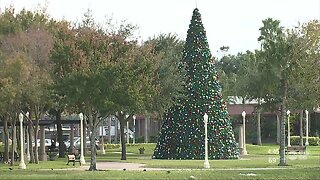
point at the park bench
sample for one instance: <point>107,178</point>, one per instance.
<point>73,158</point>
<point>16,156</point>
<point>296,149</point>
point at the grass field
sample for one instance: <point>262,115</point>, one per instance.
<point>260,163</point>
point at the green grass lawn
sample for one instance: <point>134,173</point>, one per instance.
<point>260,163</point>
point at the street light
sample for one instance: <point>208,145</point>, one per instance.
<point>102,140</point>
<point>307,128</point>
<point>82,161</point>
<point>134,128</point>
<point>206,162</point>
<point>288,115</point>
<point>22,165</point>
<point>128,138</point>
<point>244,132</point>
<point>28,150</point>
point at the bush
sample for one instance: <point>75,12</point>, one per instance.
<point>117,146</point>
<point>111,146</point>
<point>152,139</point>
<point>313,141</point>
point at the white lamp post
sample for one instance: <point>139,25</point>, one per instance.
<point>81,139</point>
<point>22,165</point>
<point>288,115</point>
<point>102,140</point>
<point>244,132</point>
<point>134,129</point>
<point>128,140</point>
<point>28,150</point>
<point>307,128</point>
<point>206,162</point>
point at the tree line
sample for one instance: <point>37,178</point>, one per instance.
<point>283,74</point>
<point>50,67</point>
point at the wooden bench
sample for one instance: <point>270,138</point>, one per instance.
<point>73,158</point>
<point>296,149</point>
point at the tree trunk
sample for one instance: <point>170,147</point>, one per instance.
<point>62,148</point>
<point>42,154</point>
<point>13,144</point>
<point>71,139</point>
<point>301,128</point>
<point>259,128</point>
<point>146,134</point>
<point>6,140</point>
<point>282,161</point>
<point>93,122</point>
<point>109,129</point>
<point>36,150</point>
<point>93,163</point>
<point>122,138</point>
<point>116,123</point>
<point>278,129</point>
<point>31,150</point>
<point>85,125</point>
<point>14,136</point>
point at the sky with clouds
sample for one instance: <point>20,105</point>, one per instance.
<point>233,23</point>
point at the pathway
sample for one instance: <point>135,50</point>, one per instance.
<point>136,166</point>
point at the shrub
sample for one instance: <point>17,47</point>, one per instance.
<point>116,146</point>
<point>152,139</point>
<point>111,146</point>
<point>313,141</point>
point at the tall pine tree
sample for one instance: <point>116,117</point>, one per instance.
<point>182,133</point>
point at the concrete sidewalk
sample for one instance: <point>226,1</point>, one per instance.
<point>136,166</point>
<point>115,166</point>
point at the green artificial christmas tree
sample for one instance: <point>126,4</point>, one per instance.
<point>182,133</point>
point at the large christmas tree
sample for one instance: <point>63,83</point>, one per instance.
<point>182,133</point>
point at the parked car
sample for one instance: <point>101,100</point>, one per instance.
<point>47,144</point>
<point>77,141</point>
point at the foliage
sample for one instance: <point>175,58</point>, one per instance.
<point>101,73</point>
<point>168,48</point>
<point>111,146</point>
<point>313,141</point>
<point>152,139</point>
<point>304,86</point>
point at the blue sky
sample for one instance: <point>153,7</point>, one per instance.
<point>233,23</point>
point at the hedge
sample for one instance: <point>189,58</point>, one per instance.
<point>313,141</point>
